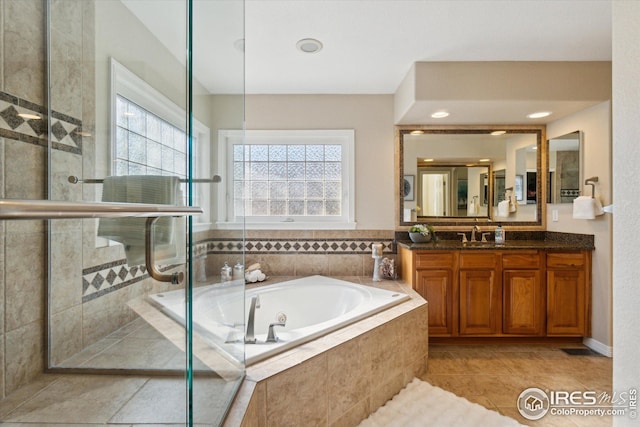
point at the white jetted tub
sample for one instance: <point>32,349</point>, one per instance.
<point>312,306</point>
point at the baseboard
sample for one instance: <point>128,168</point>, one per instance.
<point>598,346</point>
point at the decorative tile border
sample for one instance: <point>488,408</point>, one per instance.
<point>103,279</point>
<point>106,278</point>
<point>66,131</point>
<point>291,246</point>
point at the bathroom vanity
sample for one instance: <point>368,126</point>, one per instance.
<point>523,288</point>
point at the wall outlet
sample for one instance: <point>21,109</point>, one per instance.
<point>554,215</point>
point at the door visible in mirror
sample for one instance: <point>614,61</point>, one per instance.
<point>565,168</point>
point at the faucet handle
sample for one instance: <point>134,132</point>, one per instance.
<point>464,237</point>
<point>484,237</point>
<point>271,336</point>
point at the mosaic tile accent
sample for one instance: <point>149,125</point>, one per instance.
<point>65,130</point>
<point>297,246</point>
<point>106,278</point>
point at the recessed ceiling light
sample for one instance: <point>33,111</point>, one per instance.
<point>484,160</point>
<point>309,45</point>
<point>29,116</point>
<point>416,132</point>
<point>498,132</point>
<point>539,114</point>
<point>439,114</point>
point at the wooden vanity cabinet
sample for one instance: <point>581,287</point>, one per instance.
<point>480,293</point>
<point>435,281</point>
<point>523,290</point>
<point>502,293</point>
<point>569,293</point>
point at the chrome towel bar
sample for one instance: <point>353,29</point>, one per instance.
<point>51,209</point>
<point>75,180</point>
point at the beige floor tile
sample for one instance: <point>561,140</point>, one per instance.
<point>70,399</point>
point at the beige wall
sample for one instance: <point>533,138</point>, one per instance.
<point>626,157</point>
<point>372,118</point>
<point>595,124</point>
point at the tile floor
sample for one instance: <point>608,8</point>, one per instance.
<point>494,375</point>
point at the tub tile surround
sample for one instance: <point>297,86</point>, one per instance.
<point>341,378</point>
<point>295,252</point>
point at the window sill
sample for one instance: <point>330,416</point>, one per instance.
<point>286,225</point>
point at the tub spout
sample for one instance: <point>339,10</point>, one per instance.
<point>271,337</point>
<point>249,337</point>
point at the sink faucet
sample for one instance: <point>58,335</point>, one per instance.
<point>475,230</point>
<point>249,337</point>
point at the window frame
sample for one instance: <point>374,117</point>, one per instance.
<point>344,137</point>
<point>128,85</point>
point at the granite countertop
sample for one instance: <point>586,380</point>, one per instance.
<point>515,240</point>
<point>508,245</point>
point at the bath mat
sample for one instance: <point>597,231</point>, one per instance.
<point>420,404</point>
<point>581,352</point>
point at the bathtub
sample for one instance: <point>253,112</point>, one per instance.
<point>313,306</point>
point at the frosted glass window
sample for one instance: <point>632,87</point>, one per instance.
<point>146,144</point>
<point>294,179</point>
<point>280,174</point>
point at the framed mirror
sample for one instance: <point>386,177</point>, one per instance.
<point>468,174</point>
<point>565,168</point>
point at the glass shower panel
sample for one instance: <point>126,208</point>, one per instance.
<point>132,120</point>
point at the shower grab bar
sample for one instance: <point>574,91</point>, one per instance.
<point>51,209</point>
<point>75,180</point>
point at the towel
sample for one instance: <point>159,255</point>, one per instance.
<point>585,207</point>
<point>503,208</point>
<point>513,204</point>
<point>168,235</point>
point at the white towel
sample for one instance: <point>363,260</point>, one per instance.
<point>151,189</point>
<point>503,209</point>
<point>513,204</point>
<point>585,207</point>
<point>474,207</point>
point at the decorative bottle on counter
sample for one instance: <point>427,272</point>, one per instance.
<point>499,234</point>
<point>225,273</point>
<point>238,271</point>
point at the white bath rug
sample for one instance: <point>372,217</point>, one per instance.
<point>420,404</point>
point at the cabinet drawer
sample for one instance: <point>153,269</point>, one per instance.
<point>565,259</point>
<point>521,260</point>
<point>485,260</point>
<point>435,260</point>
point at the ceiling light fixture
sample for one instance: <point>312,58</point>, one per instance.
<point>498,132</point>
<point>439,114</point>
<point>539,115</point>
<point>484,160</point>
<point>309,45</point>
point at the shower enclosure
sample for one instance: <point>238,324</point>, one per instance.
<point>123,143</point>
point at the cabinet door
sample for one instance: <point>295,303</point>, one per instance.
<point>566,291</point>
<point>480,300</point>
<point>523,302</point>
<point>436,286</point>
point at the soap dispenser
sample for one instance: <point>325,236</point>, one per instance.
<point>499,235</point>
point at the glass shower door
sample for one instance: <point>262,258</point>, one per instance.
<point>131,121</point>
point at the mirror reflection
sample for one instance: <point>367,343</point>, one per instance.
<point>451,175</point>
<point>564,168</point>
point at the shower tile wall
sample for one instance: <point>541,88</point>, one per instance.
<point>22,244</point>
